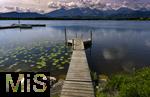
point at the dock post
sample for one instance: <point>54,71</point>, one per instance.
<point>76,35</point>
<point>91,36</point>
<point>73,44</point>
<point>82,36</point>
<point>65,37</point>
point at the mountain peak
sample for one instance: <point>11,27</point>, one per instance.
<point>123,12</point>
<point>83,12</point>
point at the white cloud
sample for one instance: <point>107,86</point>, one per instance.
<point>49,5</point>
<point>24,5</point>
<point>99,4</point>
<point>53,4</point>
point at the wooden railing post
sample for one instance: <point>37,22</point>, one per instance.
<point>73,43</point>
<point>65,37</point>
<point>76,35</point>
<point>91,34</point>
<point>82,36</point>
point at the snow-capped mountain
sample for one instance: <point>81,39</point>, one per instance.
<point>90,12</point>
<point>83,13</point>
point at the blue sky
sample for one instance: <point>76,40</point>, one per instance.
<point>50,5</point>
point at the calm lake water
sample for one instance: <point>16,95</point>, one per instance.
<point>117,46</point>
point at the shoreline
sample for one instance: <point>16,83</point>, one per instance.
<point>55,19</point>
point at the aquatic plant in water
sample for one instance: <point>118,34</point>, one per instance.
<point>37,56</point>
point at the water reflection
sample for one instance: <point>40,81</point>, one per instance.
<point>147,43</point>
<point>129,66</point>
<point>117,45</point>
<point>37,49</point>
<point>113,53</point>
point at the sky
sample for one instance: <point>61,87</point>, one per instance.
<point>44,6</point>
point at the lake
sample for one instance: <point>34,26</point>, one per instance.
<point>117,46</point>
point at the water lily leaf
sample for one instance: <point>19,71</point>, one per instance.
<point>54,64</point>
<point>63,63</point>
<point>1,61</point>
<point>14,56</point>
<point>11,66</point>
<point>6,59</point>
<point>66,54</point>
<point>18,70</point>
<point>56,61</point>
<point>32,65</point>
<point>61,59</point>
<point>61,68</point>
<point>39,67</point>
<point>25,61</point>
<point>69,58</point>
<point>29,60</point>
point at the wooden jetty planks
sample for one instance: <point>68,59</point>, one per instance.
<point>78,82</point>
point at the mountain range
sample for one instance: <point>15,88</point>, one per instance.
<point>21,15</point>
<point>83,13</point>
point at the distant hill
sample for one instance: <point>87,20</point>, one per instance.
<point>21,15</point>
<point>129,13</point>
<point>83,13</point>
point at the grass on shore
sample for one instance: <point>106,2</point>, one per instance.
<point>136,84</point>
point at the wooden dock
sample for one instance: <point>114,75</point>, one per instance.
<point>22,26</point>
<point>78,82</point>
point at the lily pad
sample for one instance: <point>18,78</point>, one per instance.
<point>54,64</point>
<point>32,65</point>
<point>18,70</point>
<point>61,68</point>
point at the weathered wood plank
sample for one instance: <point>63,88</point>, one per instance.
<point>78,82</point>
